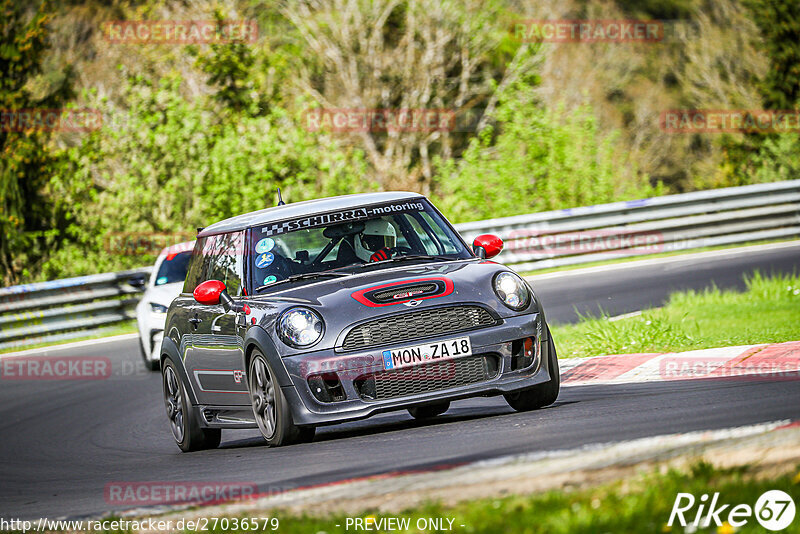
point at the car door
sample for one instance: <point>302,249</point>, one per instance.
<point>215,362</point>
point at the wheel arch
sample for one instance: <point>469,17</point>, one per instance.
<point>170,351</point>
<point>257,338</point>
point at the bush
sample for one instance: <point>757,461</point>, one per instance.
<point>537,160</point>
<point>172,165</point>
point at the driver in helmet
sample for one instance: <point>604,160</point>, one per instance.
<point>376,241</point>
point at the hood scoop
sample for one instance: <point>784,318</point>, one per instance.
<point>404,291</point>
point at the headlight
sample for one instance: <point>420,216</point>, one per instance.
<point>300,327</point>
<point>511,289</point>
<point>157,308</point>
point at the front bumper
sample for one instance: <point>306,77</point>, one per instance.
<point>494,340</point>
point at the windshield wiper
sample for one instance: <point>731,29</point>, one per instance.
<point>436,257</point>
<point>303,276</point>
<point>398,259</point>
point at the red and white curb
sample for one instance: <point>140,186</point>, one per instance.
<point>777,361</point>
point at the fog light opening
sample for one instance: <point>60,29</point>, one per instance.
<point>327,387</point>
<point>523,352</point>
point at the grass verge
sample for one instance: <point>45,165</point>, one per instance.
<point>767,312</point>
<point>642,503</point>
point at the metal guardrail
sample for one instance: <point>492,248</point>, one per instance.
<point>75,307</point>
<point>640,227</point>
<point>67,308</point>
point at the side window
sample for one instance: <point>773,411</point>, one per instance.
<point>427,242</point>
<point>194,274</point>
<point>217,257</point>
<point>225,261</point>
<point>441,237</point>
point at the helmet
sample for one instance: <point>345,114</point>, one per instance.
<point>376,235</point>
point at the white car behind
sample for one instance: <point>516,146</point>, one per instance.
<point>165,283</point>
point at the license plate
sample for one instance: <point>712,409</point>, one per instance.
<point>426,353</point>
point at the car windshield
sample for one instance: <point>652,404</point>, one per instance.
<point>358,238</point>
<point>173,268</point>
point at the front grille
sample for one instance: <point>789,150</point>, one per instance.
<point>427,378</point>
<point>417,325</point>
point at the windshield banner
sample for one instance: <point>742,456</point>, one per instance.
<point>325,219</point>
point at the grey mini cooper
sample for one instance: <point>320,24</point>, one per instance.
<point>336,309</point>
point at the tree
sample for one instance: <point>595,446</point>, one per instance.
<point>28,214</point>
<point>536,160</point>
<point>779,22</point>
<point>405,55</point>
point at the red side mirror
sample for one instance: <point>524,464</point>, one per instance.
<point>208,292</point>
<point>487,246</point>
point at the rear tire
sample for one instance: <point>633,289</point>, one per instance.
<point>270,407</point>
<point>188,434</point>
<point>429,410</point>
<point>543,394</point>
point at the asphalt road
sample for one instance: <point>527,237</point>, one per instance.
<point>64,441</point>
<point>633,286</point>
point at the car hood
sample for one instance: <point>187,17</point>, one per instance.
<point>342,301</point>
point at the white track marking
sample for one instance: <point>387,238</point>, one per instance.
<point>42,351</point>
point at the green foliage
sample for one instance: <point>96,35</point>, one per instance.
<point>779,22</point>
<point>27,212</point>
<point>761,158</point>
<point>168,166</point>
<point>229,67</point>
<point>768,312</point>
<point>536,160</point>
<point>777,159</point>
<point>186,143</point>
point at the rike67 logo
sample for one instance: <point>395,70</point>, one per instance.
<point>774,510</point>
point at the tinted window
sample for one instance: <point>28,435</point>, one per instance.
<point>173,268</point>
<point>217,257</point>
<point>194,273</point>
<point>349,240</point>
<point>225,263</point>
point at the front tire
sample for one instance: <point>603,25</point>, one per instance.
<point>540,395</point>
<point>270,407</point>
<point>151,365</point>
<point>188,434</point>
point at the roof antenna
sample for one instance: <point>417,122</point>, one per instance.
<point>280,199</point>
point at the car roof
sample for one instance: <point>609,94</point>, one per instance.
<point>177,249</point>
<point>307,207</point>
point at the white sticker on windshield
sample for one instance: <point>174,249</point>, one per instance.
<point>265,245</point>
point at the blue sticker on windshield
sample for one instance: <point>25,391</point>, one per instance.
<point>265,245</point>
<point>271,278</point>
<point>265,259</point>
<point>161,280</point>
